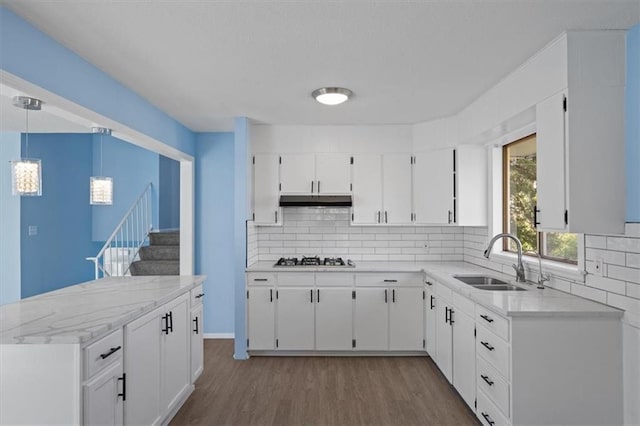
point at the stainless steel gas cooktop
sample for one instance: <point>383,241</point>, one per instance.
<point>314,261</point>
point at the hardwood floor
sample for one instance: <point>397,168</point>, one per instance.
<point>320,391</point>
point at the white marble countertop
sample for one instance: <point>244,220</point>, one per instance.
<point>532,302</point>
<point>83,312</point>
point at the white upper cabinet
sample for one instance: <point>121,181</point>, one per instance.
<point>367,189</point>
<point>333,173</point>
<point>581,143</point>
<point>298,173</point>
<point>450,186</point>
<point>315,174</point>
<point>266,193</point>
<point>433,186</point>
<point>396,189</point>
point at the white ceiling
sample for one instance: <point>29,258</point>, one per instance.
<point>205,61</point>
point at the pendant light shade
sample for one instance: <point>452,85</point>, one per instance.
<point>26,173</point>
<point>101,187</point>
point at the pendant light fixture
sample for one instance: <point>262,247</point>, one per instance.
<point>26,173</point>
<point>101,187</point>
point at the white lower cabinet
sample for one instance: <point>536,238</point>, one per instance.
<point>464,354</point>
<point>261,313</point>
<point>104,397</point>
<point>295,319</point>
<point>157,349</point>
<point>406,332</point>
<point>197,346</point>
<point>430,320</point>
<point>334,319</point>
<point>444,335</point>
<point>371,326</point>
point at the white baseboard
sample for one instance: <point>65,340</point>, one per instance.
<point>218,335</point>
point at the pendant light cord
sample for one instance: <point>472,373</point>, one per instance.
<point>26,111</point>
<point>100,154</point>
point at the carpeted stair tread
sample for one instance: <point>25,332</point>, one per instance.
<point>160,252</point>
<point>171,238</point>
<point>155,267</point>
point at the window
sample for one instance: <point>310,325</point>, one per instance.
<point>519,201</point>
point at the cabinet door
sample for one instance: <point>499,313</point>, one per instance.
<point>367,189</point>
<point>430,322</point>
<point>103,397</point>
<point>333,173</point>
<point>197,349</point>
<point>266,193</point>
<point>295,318</point>
<point>175,360</point>
<point>406,319</point>
<point>464,356</point>
<point>334,319</point>
<point>142,357</point>
<point>433,187</point>
<point>297,174</point>
<point>396,188</point>
<point>261,318</point>
<point>550,146</point>
<point>444,341</point>
<point>371,328</point>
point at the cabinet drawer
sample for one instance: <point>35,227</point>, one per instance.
<point>196,296</point>
<point>493,385</point>
<point>296,279</point>
<point>256,278</point>
<point>102,353</point>
<point>390,279</point>
<point>492,321</point>
<point>493,349</point>
<point>463,304</point>
<point>488,414</point>
<point>334,279</point>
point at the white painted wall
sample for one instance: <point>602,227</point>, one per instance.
<point>9,217</point>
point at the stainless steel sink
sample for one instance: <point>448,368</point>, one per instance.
<point>483,282</point>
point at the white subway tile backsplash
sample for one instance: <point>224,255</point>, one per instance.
<point>606,284</point>
<point>608,256</point>
<point>623,302</point>
<point>595,241</point>
<point>623,244</point>
<point>633,260</point>
<point>623,273</point>
<point>589,293</point>
<point>633,290</point>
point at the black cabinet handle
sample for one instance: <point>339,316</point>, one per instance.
<point>270,295</point>
<point>318,294</point>
<point>446,314</point>
<point>393,295</point>
<point>170,317</point>
<point>276,216</point>
<point>318,187</point>
<point>198,296</point>
<point>260,279</point>
<point>451,312</point>
<point>487,345</point>
<point>385,217</point>
<point>486,379</point>
<point>429,283</point>
<point>431,302</point>
<point>390,281</point>
<point>488,419</point>
<point>486,318</point>
<point>378,217</point>
<point>385,295</point>
<point>195,321</point>
<point>312,187</point>
<point>165,328</point>
<point>449,217</point>
<point>535,216</point>
<point>311,294</point>
<point>111,352</point>
<point>123,379</point>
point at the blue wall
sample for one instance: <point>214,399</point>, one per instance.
<point>55,257</point>
<point>9,221</point>
<point>131,168</point>
<point>632,124</point>
<point>214,236</point>
<point>32,55</point>
<point>169,193</point>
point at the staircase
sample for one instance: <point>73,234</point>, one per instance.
<point>160,257</point>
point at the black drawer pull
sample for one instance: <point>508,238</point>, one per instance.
<point>390,281</point>
<point>318,291</point>
<point>451,312</point>
<point>111,352</point>
<point>486,379</point>
<point>393,295</point>
<point>431,301</point>
<point>123,379</point>
<point>198,296</point>
<point>170,314</point>
<point>270,295</point>
<point>487,345</point>
<point>165,329</point>
<point>429,283</point>
<point>385,295</point>
<point>260,279</point>
<point>488,419</point>
<point>486,318</point>
<point>311,293</point>
<point>195,321</point>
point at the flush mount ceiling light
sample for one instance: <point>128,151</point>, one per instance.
<point>101,187</point>
<point>331,95</point>
<point>26,173</point>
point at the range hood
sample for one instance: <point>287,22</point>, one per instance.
<point>315,201</point>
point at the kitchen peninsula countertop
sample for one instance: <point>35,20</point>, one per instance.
<point>80,313</point>
<point>533,302</point>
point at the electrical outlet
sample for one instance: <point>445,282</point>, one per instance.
<point>32,230</point>
<point>598,264</point>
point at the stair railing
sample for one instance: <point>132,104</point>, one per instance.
<point>122,247</point>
